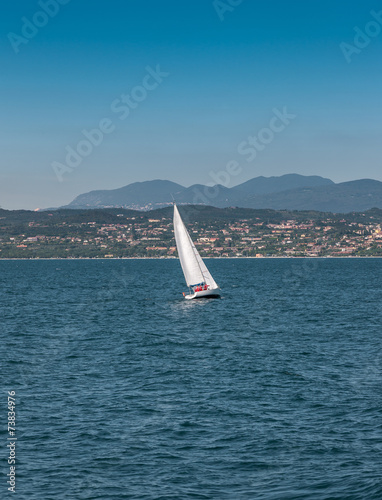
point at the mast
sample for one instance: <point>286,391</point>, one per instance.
<point>196,255</point>
<point>194,269</point>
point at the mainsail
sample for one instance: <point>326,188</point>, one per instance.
<point>194,269</point>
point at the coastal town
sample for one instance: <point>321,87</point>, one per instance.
<point>219,233</point>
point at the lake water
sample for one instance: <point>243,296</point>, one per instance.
<point>124,390</point>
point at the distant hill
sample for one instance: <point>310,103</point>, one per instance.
<point>154,194</point>
<point>353,196</point>
<point>266,185</point>
<point>139,195</point>
<point>287,192</point>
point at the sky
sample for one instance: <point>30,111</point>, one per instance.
<point>97,95</point>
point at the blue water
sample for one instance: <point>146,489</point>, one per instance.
<point>127,391</point>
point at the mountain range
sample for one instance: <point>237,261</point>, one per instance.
<point>289,192</point>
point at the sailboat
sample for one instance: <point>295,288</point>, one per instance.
<point>196,274</point>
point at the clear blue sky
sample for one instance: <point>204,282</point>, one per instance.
<point>225,78</point>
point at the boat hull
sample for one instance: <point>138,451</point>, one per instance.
<point>204,294</point>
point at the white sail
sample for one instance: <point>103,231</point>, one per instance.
<point>194,269</point>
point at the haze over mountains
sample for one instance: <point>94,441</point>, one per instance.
<point>290,192</point>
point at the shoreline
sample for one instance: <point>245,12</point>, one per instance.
<point>175,258</point>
